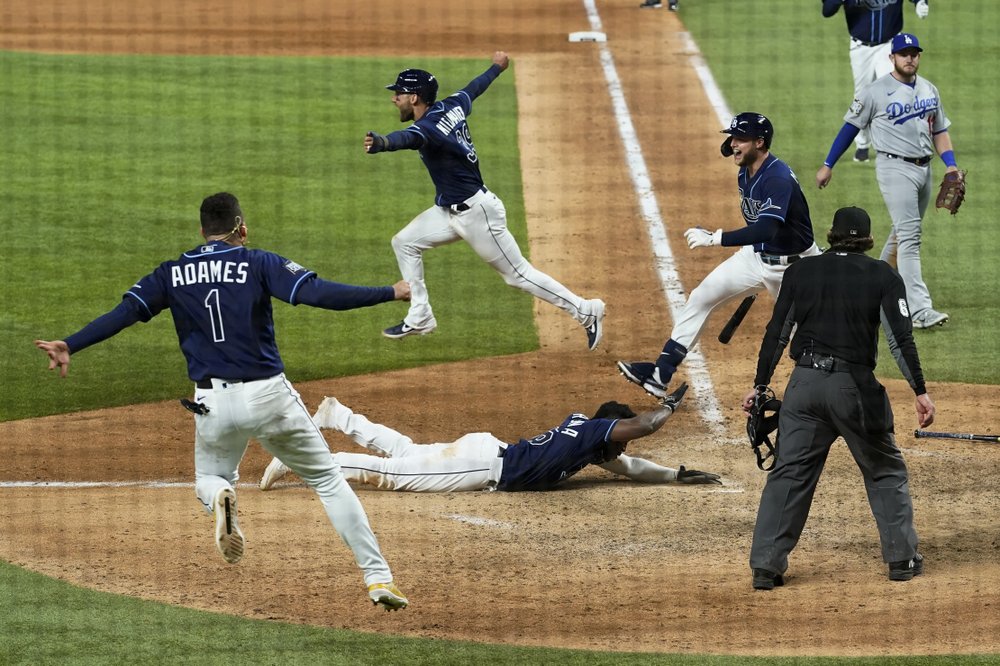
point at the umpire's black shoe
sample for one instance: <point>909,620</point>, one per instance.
<point>766,580</point>
<point>906,569</point>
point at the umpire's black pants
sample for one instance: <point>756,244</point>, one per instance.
<point>817,408</point>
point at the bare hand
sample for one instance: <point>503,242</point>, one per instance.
<point>58,352</point>
<point>748,400</point>
<point>823,176</point>
<point>925,410</point>
<point>501,58</point>
<point>401,291</point>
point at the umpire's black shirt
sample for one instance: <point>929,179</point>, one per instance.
<point>838,300</point>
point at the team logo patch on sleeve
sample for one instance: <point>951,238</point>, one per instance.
<point>856,107</point>
<point>293,267</point>
<point>903,309</point>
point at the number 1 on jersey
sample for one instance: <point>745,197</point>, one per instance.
<point>215,314</point>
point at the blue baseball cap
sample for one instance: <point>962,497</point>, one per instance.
<point>416,81</point>
<point>905,40</point>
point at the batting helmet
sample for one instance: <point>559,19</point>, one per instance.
<point>418,82</point>
<point>748,125</point>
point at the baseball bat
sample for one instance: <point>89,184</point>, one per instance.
<point>734,322</point>
<point>957,435</point>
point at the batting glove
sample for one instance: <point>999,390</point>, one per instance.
<point>698,237</point>
<point>923,9</point>
<point>379,143</point>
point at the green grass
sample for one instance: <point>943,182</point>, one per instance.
<point>793,66</point>
<point>106,160</point>
<point>44,621</point>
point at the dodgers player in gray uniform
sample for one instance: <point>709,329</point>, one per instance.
<point>464,209</point>
<point>908,124</point>
<point>778,232</point>
<point>219,295</point>
<point>480,461</point>
<point>872,24</point>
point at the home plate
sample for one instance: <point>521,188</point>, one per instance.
<point>588,36</point>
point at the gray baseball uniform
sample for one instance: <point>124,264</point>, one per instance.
<point>903,119</point>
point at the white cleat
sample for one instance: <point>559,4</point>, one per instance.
<point>274,471</point>
<point>228,537</point>
<point>595,329</point>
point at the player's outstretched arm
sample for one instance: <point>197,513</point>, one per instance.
<point>647,423</point>
<point>58,353</point>
<point>501,59</point>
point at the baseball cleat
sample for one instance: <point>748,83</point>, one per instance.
<point>388,596</point>
<point>274,471</point>
<point>651,4</point>
<point>646,375</point>
<point>228,537</point>
<point>766,580</point>
<point>929,318</point>
<point>906,569</point>
<point>672,6</point>
<point>861,155</point>
<point>402,329</point>
<point>595,330</point>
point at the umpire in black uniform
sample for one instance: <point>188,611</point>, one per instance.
<point>837,301</point>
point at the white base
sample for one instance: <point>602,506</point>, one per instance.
<point>588,36</point>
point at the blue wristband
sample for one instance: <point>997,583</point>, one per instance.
<point>948,157</point>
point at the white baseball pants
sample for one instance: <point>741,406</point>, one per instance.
<point>272,412</point>
<point>484,227</point>
<point>867,64</point>
<point>740,275</point>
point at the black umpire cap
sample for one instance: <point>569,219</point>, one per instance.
<point>852,221</point>
<point>416,81</point>
<point>749,125</point>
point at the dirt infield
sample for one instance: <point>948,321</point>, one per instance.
<point>601,563</point>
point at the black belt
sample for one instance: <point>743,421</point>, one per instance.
<point>779,259</point>
<point>826,363</point>
<point>207,383</point>
<point>919,161</point>
<point>462,207</point>
<point>863,42</point>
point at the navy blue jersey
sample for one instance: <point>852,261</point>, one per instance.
<point>869,21</point>
<point>773,196</point>
<point>542,462</point>
<point>220,299</point>
<point>446,146</point>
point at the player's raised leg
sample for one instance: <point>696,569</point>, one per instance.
<point>428,230</point>
<point>484,227</point>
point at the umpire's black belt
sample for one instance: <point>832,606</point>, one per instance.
<point>464,206</point>
<point>779,259</point>
<point>919,161</point>
<point>827,363</point>
<point>207,383</point>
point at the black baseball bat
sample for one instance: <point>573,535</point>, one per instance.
<point>734,322</point>
<point>957,435</point>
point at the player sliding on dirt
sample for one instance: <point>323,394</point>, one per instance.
<point>480,461</point>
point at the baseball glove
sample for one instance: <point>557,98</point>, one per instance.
<point>761,422</point>
<point>952,192</point>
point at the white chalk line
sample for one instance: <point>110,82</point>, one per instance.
<point>666,269</point>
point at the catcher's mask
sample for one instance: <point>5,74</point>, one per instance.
<point>761,422</point>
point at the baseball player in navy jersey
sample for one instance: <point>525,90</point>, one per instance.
<point>872,24</point>
<point>463,208</point>
<point>219,295</point>
<point>480,461</point>
<point>778,232</point>
<point>908,124</point>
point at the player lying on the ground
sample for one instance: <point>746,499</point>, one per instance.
<point>480,461</point>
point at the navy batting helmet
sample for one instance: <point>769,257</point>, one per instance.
<point>418,82</point>
<point>748,125</point>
